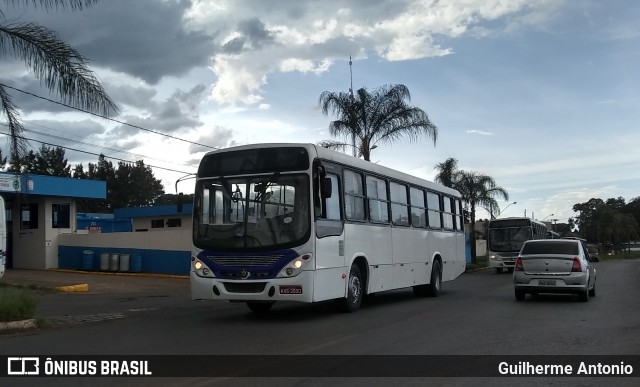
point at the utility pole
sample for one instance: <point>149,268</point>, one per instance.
<point>353,133</point>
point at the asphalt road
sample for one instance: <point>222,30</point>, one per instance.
<point>475,315</point>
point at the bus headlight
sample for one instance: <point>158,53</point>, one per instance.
<point>296,266</point>
<point>200,268</point>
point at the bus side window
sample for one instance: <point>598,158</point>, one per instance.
<point>433,203</point>
<point>353,196</point>
<point>332,202</point>
<point>378,200</point>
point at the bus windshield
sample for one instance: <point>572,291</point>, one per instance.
<point>508,239</point>
<point>259,211</point>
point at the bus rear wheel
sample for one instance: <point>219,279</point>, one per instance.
<point>260,307</point>
<point>355,290</point>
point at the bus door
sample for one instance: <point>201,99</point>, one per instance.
<point>329,233</point>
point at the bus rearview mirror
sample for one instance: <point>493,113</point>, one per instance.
<point>326,188</point>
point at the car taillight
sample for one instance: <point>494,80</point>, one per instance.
<point>518,266</point>
<point>576,265</point>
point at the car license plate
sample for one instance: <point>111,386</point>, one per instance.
<point>547,282</point>
<point>290,289</point>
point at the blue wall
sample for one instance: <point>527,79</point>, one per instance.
<point>106,225</point>
<point>153,261</point>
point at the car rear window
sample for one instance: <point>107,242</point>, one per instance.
<point>555,247</point>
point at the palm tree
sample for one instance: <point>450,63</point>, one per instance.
<point>382,116</point>
<point>448,172</point>
<point>60,68</point>
<point>476,189</point>
<point>479,190</point>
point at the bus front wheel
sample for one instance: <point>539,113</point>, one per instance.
<point>352,302</point>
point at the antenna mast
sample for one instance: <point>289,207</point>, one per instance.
<point>353,133</point>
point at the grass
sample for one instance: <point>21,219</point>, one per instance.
<point>16,304</point>
<point>481,263</point>
<point>620,255</point>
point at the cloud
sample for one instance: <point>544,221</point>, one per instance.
<point>308,36</point>
<point>481,132</point>
<point>151,40</point>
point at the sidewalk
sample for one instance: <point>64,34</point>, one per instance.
<point>97,282</point>
<point>104,295</point>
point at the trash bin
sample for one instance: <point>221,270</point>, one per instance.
<point>136,263</point>
<point>87,260</point>
<point>104,261</point>
<point>124,262</point>
<point>114,262</point>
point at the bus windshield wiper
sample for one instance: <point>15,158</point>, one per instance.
<point>263,186</point>
<point>227,187</point>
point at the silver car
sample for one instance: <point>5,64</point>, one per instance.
<point>554,266</point>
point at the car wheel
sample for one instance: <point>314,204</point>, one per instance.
<point>498,270</point>
<point>352,302</point>
<point>592,292</point>
<point>260,307</point>
<point>520,295</point>
<point>584,296</point>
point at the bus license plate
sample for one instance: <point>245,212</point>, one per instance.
<point>290,289</point>
<point>547,282</point>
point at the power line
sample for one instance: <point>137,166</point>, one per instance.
<point>98,154</point>
<point>108,118</point>
<point>117,150</point>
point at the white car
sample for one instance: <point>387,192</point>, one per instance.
<point>554,266</point>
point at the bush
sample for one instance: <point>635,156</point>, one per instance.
<point>16,304</point>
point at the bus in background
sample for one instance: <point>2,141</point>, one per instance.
<point>3,238</point>
<point>298,222</point>
<point>505,239</point>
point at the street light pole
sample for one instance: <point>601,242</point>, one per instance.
<point>504,209</point>
<point>353,133</point>
<point>545,218</point>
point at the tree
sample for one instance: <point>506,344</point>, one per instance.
<point>586,218</point>
<point>380,117</point>
<point>127,185</point>
<point>46,161</point>
<point>448,172</point>
<point>476,189</point>
<point>60,68</point>
<point>3,160</point>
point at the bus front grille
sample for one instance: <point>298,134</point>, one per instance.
<point>244,287</point>
<point>246,260</point>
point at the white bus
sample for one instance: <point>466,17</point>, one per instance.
<point>298,222</point>
<point>3,238</point>
<point>505,239</point>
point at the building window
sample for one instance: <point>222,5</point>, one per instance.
<point>29,216</point>
<point>157,223</point>
<point>61,215</point>
<point>175,222</point>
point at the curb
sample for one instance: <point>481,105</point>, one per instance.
<point>73,288</point>
<point>129,274</point>
<point>15,325</point>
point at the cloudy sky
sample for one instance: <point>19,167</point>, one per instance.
<point>543,95</point>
